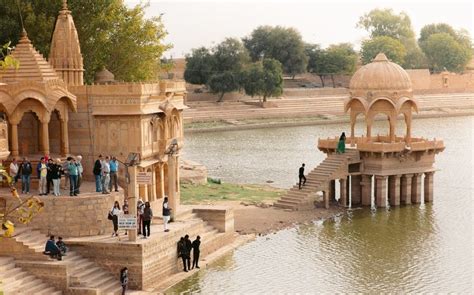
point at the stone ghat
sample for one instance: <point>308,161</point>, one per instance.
<point>83,215</point>
<point>152,261</point>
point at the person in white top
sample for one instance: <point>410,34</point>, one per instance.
<point>14,170</point>
<point>106,175</point>
<point>114,213</point>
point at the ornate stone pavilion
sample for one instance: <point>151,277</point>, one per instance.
<point>49,110</point>
<point>388,169</point>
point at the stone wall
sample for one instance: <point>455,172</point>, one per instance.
<point>10,247</point>
<point>420,78</point>
<point>221,218</point>
<point>312,92</point>
<point>75,216</point>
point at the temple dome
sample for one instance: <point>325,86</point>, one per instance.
<point>104,76</point>
<point>380,75</point>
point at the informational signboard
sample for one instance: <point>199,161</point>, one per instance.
<point>144,178</point>
<point>127,221</point>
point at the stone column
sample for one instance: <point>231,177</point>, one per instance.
<point>429,187</point>
<point>173,196</point>
<point>162,182</point>
<point>326,199</point>
<point>394,190</point>
<point>343,191</point>
<point>132,197</point>
<point>381,191</point>
<point>405,189</point>
<point>366,185</point>
<point>64,138</point>
<point>332,190</point>
<point>45,137</point>
<point>355,189</point>
<point>416,188</point>
<point>153,185</point>
<point>15,150</point>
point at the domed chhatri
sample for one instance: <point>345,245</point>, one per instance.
<point>104,76</point>
<point>381,87</point>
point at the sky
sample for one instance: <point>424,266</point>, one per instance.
<point>193,23</point>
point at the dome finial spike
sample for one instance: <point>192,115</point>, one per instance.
<point>65,5</point>
<point>380,57</point>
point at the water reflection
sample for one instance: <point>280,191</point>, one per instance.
<point>420,248</point>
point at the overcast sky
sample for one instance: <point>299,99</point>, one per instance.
<point>194,23</point>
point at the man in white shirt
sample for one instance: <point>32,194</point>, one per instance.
<point>105,175</point>
<point>14,170</point>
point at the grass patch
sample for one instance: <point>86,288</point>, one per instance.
<point>212,193</point>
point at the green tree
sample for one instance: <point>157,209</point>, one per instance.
<point>445,52</point>
<point>314,53</point>
<point>339,59</point>
<point>393,49</point>
<point>280,43</point>
<point>199,66</point>
<point>230,55</point>
<point>222,83</point>
<point>111,34</point>
<point>263,79</point>
<point>384,22</point>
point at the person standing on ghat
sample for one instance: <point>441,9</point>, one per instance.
<point>49,178</point>
<point>80,170</point>
<point>73,172</point>
<point>113,215</point>
<point>166,214</point>
<point>98,174</point>
<point>187,250</point>
<point>140,209</point>
<point>42,173</point>
<point>182,252</point>
<point>114,165</point>
<point>25,172</point>
<point>106,175</point>
<point>14,169</point>
<point>196,244</point>
<point>55,170</point>
<point>147,217</point>
<point>66,174</point>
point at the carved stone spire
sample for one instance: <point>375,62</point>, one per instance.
<point>65,54</point>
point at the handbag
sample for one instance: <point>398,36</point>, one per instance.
<point>110,216</point>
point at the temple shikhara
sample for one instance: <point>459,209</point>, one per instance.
<point>381,170</point>
<point>48,110</point>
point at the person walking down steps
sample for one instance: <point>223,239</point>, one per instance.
<point>301,176</point>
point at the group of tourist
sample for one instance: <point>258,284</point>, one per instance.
<point>49,172</point>
<point>184,252</point>
<point>144,216</point>
<point>106,174</point>
<point>55,249</point>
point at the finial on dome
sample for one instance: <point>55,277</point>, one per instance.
<point>24,37</point>
<point>65,5</point>
<point>380,57</point>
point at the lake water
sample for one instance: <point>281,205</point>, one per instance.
<point>420,248</point>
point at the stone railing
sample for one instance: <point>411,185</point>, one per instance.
<point>382,144</point>
<point>172,86</point>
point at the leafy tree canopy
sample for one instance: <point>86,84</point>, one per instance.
<point>280,43</point>
<point>111,34</point>
<point>384,22</point>
<point>445,52</point>
<point>263,79</point>
<point>221,83</point>
<point>230,55</point>
<point>393,49</point>
<point>199,66</point>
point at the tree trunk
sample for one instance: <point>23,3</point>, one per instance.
<point>264,98</point>
<point>322,80</point>
<point>333,84</point>
<point>221,97</point>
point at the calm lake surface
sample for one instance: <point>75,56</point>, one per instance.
<point>421,248</point>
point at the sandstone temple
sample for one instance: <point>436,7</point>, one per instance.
<point>48,110</point>
<point>381,170</point>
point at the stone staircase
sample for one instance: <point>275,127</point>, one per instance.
<point>333,167</point>
<point>83,273</point>
<point>13,280</point>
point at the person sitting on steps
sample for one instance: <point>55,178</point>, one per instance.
<point>52,249</point>
<point>62,246</point>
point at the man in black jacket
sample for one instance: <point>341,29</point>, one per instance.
<point>187,250</point>
<point>25,172</point>
<point>98,174</point>
<point>196,251</point>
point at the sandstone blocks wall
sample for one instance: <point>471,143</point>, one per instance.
<point>220,218</point>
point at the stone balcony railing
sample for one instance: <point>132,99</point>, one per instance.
<point>382,144</point>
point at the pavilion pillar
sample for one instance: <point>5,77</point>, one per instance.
<point>356,189</point>
<point>353,132</point>
<point>153,184</point>
<point>45,137</point>
<point>428,182</point>
<point>405,189</point>
<point>326,199</point>
<point>172,195</point>
<point>381,191</point>
<point>14,135</point>
<point>343,190</point>
<point>416,188</point>
<point>366,185</point>
<point>394,190</point>
<point>332,190</point>
<point>64,138</point>
<point>144,188</point>
<point>162,183</point>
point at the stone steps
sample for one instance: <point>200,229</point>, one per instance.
<point>16,281</point>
